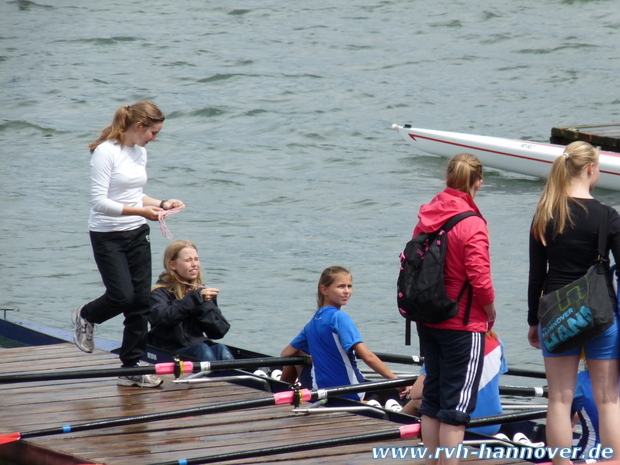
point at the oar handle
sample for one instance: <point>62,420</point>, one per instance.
<point>508,418</point>
<point>403,359</point>
<point>362,387</point>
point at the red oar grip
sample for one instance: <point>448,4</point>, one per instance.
<point>12,437</point>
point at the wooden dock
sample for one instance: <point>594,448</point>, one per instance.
<point>605,136</point>
<point>35,406</point>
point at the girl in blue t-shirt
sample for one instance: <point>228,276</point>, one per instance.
<point>331,339</point>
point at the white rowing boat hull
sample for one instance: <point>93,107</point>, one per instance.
<point>532,158</point>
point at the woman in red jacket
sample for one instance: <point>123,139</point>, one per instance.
<point>454,348</point>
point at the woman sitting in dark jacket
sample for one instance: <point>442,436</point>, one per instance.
<point>183,311</point>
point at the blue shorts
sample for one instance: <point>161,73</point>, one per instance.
<point>605,346</point>
<point>305,378</point>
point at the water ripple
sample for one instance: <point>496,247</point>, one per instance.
<point>218,77</point>
<point>100,40</point>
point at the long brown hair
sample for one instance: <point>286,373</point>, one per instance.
<point>126,116</point>
<point>464,171</point>
<point>169,278</point>
<point>555,198</point>
<point>327,279</point>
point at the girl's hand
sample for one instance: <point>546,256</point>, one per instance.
<point>151,213</point>
<point>532,336</point>
<point>172,203</point>
<point>208,293</point>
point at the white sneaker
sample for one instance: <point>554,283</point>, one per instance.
<point>147,381</point>
<point>373,403</point>
<point>393,405</point>
<point>523,439</point>
<point>83,332</point>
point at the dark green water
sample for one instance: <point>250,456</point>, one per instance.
<point>278,140</point>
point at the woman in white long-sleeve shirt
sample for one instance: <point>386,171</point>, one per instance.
<point>119,233</point>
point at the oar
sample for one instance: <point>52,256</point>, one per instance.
<point>417,360</point>
<point>177,368</point>
<point>287,397</point>
<point>534,414</point>
<point>404,432</point>
<point>524,391</point>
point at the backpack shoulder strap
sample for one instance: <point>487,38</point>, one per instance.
<point>448,225</point>
<point>466,286</point>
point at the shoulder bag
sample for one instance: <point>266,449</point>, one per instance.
<point>578,312</point>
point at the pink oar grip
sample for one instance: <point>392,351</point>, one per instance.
<point>168,368</point>
<point>410,431</point>
<point>286,397</point>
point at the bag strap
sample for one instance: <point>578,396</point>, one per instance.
<point>602,232</point>
<point>448,225</point>
<point>470,296</point>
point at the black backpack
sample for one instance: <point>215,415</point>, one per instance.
<point>421,291</point>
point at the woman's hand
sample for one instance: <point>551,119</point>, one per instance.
<point>172,203</point>
<point>150,213</point>
<point>532,336</point>
<point>208,293</point>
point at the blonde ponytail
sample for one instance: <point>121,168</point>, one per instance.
<point>554,200</point>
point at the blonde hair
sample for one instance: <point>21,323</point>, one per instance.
<point>125,117</point>
<point>327,279</point>
<point>555,198</point>
<point>170,278</point>
<point>464,171</point>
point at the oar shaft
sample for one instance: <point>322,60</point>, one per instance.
<point>403,432</point>
<point>196,367</point>
<point>76,374</point>
<point>508,418</point>
<point>403,359</point>
<point>417,360</point>
<point>523,391</point>
<point>363,387</point>
<point>209,409</point>
<point>526,373</point>
<point>176,368</point>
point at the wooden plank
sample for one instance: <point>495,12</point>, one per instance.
<point>35,406</point>
<point>606,136</point>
